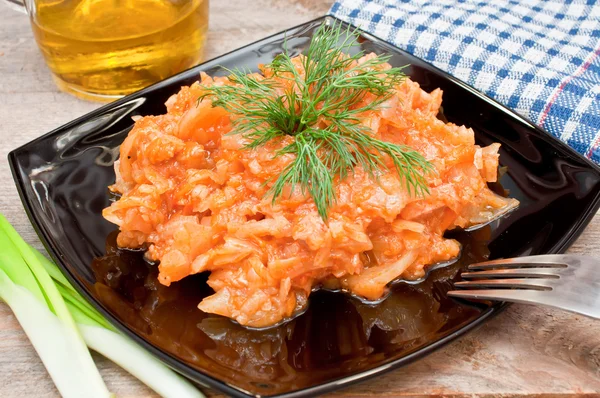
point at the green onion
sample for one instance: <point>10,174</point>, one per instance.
<point>60,323</point>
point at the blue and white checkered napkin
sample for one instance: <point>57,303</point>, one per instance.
<point>540,58</point>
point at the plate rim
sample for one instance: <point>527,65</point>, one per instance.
<point>206,380</point>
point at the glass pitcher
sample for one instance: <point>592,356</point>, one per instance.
<point>103,49</point>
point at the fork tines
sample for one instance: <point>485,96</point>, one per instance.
<point>567,281</point>
<point>497,276</point>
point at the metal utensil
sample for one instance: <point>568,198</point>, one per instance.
<point>567,281</point>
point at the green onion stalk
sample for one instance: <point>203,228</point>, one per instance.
<point>62,325</point>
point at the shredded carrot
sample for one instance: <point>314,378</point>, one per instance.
<point>197,198</point>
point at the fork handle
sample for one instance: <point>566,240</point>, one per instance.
<point>528,297</point>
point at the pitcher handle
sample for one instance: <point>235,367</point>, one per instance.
<point>16,5</point>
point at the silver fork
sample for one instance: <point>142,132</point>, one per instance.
<point>567,281</point>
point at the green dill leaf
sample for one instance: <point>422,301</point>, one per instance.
<point>325,86</point>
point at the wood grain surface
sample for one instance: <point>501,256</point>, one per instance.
<point>525,350</point>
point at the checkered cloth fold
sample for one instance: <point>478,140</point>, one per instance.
<point>540,58</point>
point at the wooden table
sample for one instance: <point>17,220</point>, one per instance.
<point>523,351</point>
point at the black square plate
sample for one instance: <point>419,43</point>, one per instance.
<point>63,176</point>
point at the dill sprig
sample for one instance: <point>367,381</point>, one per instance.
<point>321,105</point>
